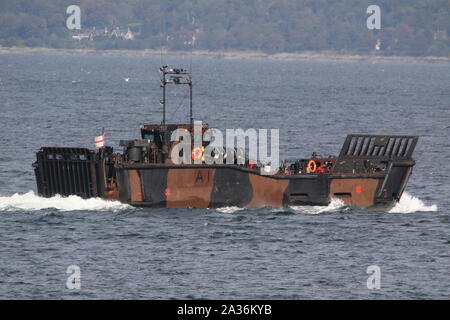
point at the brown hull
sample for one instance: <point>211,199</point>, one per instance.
<point>370,172</point>
<point>220,186</point>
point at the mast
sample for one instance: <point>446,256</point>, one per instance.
<point>175,76</point>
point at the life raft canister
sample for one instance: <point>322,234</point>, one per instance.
<point>320,169</point>
<point>312,166</point>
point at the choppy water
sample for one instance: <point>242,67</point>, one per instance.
<point>279,253</point>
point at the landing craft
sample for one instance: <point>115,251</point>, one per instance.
<point>371,171</point>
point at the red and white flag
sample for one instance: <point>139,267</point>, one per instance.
<point>100,141</point>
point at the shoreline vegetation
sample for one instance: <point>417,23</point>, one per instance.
<point>324,56</point>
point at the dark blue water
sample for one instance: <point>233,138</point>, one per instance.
<point>278,253</point>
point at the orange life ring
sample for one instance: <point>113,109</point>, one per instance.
<point>197,153</point>
<point>312,166</point>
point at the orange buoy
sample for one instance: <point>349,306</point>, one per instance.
<point>312,166</point>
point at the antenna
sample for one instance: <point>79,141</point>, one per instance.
<point>175,76</point>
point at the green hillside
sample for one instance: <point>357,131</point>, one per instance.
<point>408,27</point>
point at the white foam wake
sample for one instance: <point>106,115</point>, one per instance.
<point>229,209</point>
<point>409,204</point>
<point>335,204</point>
<point>30,201</point>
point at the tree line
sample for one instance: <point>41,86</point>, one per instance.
<point>408,27</point>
